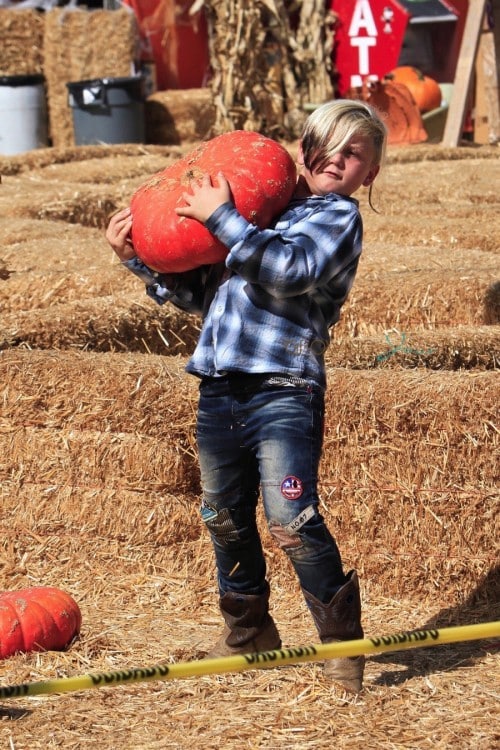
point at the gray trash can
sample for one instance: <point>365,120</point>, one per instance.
<point>108,110</point>
<point>23,114</point>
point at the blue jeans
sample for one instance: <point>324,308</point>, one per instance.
<point>253,435</point>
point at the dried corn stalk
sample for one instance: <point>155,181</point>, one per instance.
<point>269,57</point>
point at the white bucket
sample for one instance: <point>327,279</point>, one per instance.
<point>23,114</point>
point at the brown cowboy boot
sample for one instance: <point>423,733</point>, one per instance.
<point>249,626</point>
<point>340,620</point>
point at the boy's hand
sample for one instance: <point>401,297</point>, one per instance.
<point>205,197</point>
<point>118,234</point>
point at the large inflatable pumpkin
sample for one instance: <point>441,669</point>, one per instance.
<point>425,91</point>
<point>262,177</point>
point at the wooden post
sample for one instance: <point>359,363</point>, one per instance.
<point>487,105</point>
<point>463,75</point>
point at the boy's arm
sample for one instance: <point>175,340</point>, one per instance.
<point>184,290</point>
<point>314,241</point>
<point>295,257</point>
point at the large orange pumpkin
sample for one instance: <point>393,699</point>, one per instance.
<point>424,90</point>
<point>41,618</point>
<point>262,177</point>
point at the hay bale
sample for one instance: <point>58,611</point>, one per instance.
<point>34,253</point>
<point>491,315</point>
<point>408,474</point>
<point>82,296</point>
<point>21,32</point>
<point>51,262</point>
<point>113,154</point>
<point>408,486</point>
<point>106,324</point>
<point>110,169</point>
<point>77,48</point>
<point>60,201</point>
<point>415,301</point>
<point>117,449</point>
<point>21,229</point>
<point>119,393</point>
<point>410,463</point>
<point>455,209</point>
<point>417,426</point>
<point>85,193</point>
<point>179,116</point>
<point>96,459</point>
<point>48,288</point>
<point>381,259</point>
<point>110,511</point>
<point>454,348</point>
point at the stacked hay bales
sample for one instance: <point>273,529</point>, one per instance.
<point>77,48</point>
<point>413,356</point>
<point>67,45</point>
<point>99,486</point>
<point>409,458</point>
<point>71,44</point>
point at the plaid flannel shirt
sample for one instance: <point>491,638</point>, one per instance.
<point>269,308</point>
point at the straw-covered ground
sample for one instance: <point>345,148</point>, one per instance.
<point>99,484</point>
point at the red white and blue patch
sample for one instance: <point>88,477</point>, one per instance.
<point>291,487</point>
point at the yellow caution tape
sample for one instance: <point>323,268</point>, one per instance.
<point>407,639</point>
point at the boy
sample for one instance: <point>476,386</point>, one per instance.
<point>266,317</point>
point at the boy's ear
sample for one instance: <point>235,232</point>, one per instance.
<point>300,155</point>
<point>371,175</point>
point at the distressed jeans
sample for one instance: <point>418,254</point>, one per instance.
<point>255,437</point>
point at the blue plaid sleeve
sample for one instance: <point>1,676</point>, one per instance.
<point>292,257</point>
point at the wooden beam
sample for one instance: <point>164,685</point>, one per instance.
<point>487,103</point>
<point>464,72</point>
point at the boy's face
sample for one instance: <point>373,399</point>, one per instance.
<point>347,171</point>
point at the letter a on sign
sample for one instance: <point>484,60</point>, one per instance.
<point>362,18</point>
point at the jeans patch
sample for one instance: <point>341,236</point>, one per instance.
<point>291,487</point>
<point>300,520</point>
<point>220,524</point>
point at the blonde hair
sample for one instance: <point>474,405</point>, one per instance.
<point>329,128</point>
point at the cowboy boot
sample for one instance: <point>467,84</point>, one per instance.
<point>248,625</point>
<point>340,620</point>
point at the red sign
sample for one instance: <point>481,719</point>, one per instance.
<point>368,39</point>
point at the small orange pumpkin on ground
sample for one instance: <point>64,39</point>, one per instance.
<point>424,90</point>
<point>41,618</point>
